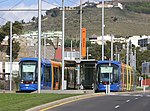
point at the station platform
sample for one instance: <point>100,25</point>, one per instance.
<point>67,91</point>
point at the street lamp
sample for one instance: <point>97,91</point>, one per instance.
<point>80,27</point>
<point>39,45</point>
<point>44,45</point>
<point>102,30</point>
<point>63,34</point>
<point>10,56</point>
<point>10,77</point>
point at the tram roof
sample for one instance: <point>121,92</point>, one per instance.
<point>107,61</point>
<point>43,61</point>
<point>82,60</point>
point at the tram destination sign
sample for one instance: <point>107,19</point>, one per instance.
<point>106,69</point>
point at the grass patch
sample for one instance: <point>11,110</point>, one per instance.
<point>139,88</point>
<point>21,102</point>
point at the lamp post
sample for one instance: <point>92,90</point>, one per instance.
<point>63,34</point>
<point>39,45</point>
<point>112,47</point>
<point>10,56</point>
<point>102,30</point>
<point>80,28</point>
<point>44,45</point>
<point>127,55</point>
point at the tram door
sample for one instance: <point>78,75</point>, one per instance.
<point>47,78</point>
<point>88,74</point>
<point>56,78</point>
<point>71,75</point>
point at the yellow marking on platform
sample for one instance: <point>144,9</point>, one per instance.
<point>59,104</point>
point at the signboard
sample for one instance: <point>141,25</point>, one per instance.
<point>83,42</point>
<point>146,68</point>
<point>15,67</point>
<point>106,69</point>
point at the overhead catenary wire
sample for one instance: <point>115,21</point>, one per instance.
<point>57,2</point>
<point>4,19</point>
<point>3,1</point>
<point>16,4</point>
<point>73,2</point>
<point>51,3</point>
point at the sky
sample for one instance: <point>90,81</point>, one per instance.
<point>30,4</point>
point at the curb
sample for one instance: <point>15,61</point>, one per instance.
<point>65,101</point>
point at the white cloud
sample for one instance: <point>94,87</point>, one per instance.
<point>22,15</point>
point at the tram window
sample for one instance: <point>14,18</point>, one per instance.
<point>47,74</point>
<point>116,78</point>
<point>149,68</point>
<point>56,72</point>
<point>129,75</point>
<point>125,76</point>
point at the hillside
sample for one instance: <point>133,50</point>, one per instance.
<point>118,22</point>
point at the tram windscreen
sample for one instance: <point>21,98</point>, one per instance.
<point>107,73</point>
<point>28,71</point>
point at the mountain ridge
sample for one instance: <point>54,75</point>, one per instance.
<point>118,22</point>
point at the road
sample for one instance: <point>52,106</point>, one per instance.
<point>119,102</point>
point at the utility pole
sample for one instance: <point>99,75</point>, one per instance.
<point>127,55</point>
<point>39,45</point>
<point>111,47</point>
<point>103,30</point>
<point>80,28</point>
<point>44,45</point>
<point>87,54</point>
<point>71,51</point>
<point>63,35</point>
<point>10,77</point>
<point>134,59</point>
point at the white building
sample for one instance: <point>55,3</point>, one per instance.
<point>54,36</point>
<point>134,39</point>
<point>95,39</point>
<point>68,55</point>
<point>120,6</point>
<point>106,5</point>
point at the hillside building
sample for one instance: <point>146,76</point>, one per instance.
<point>144,41</point>
<point>137,41</point>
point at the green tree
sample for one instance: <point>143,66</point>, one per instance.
<point>15,49</point>
<point>33,19</point>
<point>17,29</point>
<point>68,43</point>
<point>88,43</point>
<point>48,12</point>
<point>95,51</point>
<point>2,35</point>
<point>148,47</point>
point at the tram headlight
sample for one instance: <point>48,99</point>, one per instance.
<point>21,82</point>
